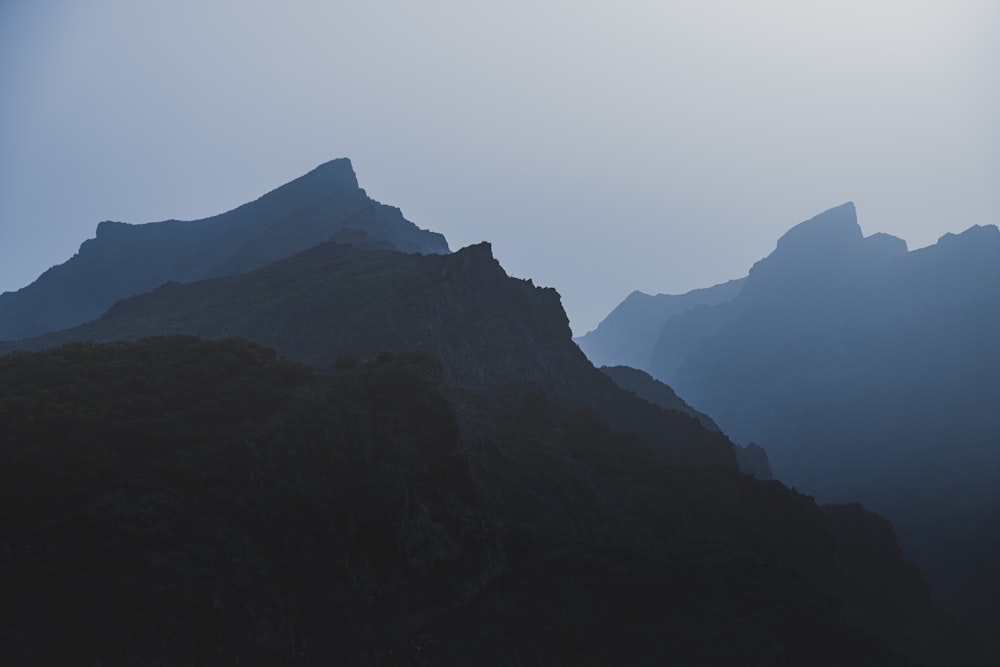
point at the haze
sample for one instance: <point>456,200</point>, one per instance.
<point>600,147</point>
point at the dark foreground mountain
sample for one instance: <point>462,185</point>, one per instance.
<point>752,459</point>
<point>486,328</point>
<point>128,259</point>
<point>181,501</point>
<point>868,373</point>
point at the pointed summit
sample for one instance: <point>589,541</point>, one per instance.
<point>826,248</point>
<point>339,171</point>
<point>837,226</point>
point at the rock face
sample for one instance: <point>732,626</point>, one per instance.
<point>182,501</point>
<point>127,259</point>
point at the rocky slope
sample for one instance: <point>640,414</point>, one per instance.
<point>646,387</point>
<point>752,459</point>
<point>125,259</point>
<point>486,328</point>
<point>185,501</point>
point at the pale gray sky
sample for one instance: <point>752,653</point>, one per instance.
<point>601,147</point>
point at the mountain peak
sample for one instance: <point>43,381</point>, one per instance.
<point>835,226</point>
<point>126,259</point>
<point>339,171</point>
<point>829,246</point>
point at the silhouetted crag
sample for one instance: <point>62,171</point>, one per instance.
<point>180,501</point>
<point>127,259</point>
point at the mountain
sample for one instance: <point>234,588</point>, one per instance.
<point>449,481</point>
<point>643,385</point>
<point>752,459</point>
<point>334,299</point>
<point>125,259</point>
<point>183,501</point>
<point>866,370</point>
<point>628,335</point>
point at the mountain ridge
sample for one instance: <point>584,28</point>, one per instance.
<point>486,327</point>
<point>866,371</point>
<point>124,259</point>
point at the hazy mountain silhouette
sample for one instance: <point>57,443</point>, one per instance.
<point>181,501</point>
<point>628,335</point>
<point>128,259</point>
<point>866,371</point>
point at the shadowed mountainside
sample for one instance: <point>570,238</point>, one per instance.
<point>127,259</point>
<point>486,328</point>
<point>177,500</point>
<point>752,459</point>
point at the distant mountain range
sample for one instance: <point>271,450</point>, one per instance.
<point>866,371</point>
<point>448,481</point>
<point>128,259</point>
<point>849,358</point>
<point>628,336</point>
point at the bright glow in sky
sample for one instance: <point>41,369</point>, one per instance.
<point>601,147</point>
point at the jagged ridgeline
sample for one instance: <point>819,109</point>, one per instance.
<point>127,259</point>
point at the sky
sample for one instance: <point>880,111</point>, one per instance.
<point>601,147</point>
